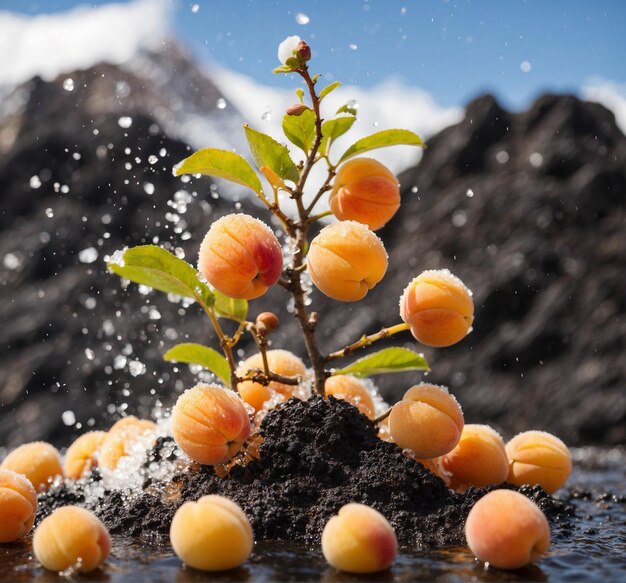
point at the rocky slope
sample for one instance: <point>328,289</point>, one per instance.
<point>527,208</point>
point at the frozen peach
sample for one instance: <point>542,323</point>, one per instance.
<point>81,456</point>
<point>122,438</point>
<point>18,505</point>
<point>240,256</point>
<point>352,390</point>
<point>71,537</point>
<point>537,457</point>
<point>212,534</point>
<point>428,421</point>
<point>346,260</point>
<point>438,308</point>
<point>507,530</point>
<point>365,191</point>
<point>39,461</point>
<point>210,423</point>
<point>478,459</point>
<point>280,362</point>
<point>359,540</point>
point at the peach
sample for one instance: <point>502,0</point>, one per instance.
<point>346,260</point>
<point>352,390</point>
<point>365,191</point>
<point>428,421</point>
<point>210,423</point>
<point>18,505</point>
<point>537,457</point>
<point>281,362</point>
<point>438,308</point>
<point>39,461</point>
<point>507,530</point>
<point>71,537</point>
<point>81,456</point>
<point>240,256</point>
<point>478,459</point>
<point>212,534</point>
<point>121,439</point>
<point>359,540</point>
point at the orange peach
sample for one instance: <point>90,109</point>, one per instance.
<point>365,191</point>
<point>359,540</point>
<point>212,534</point>
<point>438,308</point>
<point>39,461</point>
<point>478,459</point>
<point>81,456</point>
<point>428,421</point>
<point>71,537</point>
<point>18,505</point>
<point>280,362</point>
<point>346,260</point>
<point>537,457</point>
<point>240,256</point>
<point>210,423</point>
<point>121,439</point>
<point>352,390</point>
<point>507,530</point>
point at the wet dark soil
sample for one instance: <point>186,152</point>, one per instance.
<point>315,456</point>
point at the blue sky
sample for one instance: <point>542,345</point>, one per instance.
<point>452,49</point>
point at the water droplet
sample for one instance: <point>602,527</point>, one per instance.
<point>152,159</point>
<point>353,104</point>
<point>525,66</point>
<point>68,418</point>
<point>221,103</point>
<point>90,354</point>
<point>414,189</point>
<point>535,159</point>
<point>88,255</point>
<point>35,181</point>
<point>353,46</point>
<point>49,213</point>
<point>162,152</point>
<point>125,121</point>
<point>68,84</point>
<point>11,261</point>
<point>502,157</point>
<point>148,187</point>
<point>136,368</point>
<point>403,10</point>
<point>469,193</point>
<point>302,18</point>
<point>76,156</point>
<point>459,218</point>
<point>195,8</point>
<point>267,115</point>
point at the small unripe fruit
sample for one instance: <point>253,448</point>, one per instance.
<point>212,534</point>
<point>478,459</point>
<point>39,461</point>
<point>71,537</point>
<point>538,457</point>
<point>297,109</point>
<point>123,436</point>
<point>240,256</point>
<point>268,320</point>
<point>428,421</point>
<point>18,506</point>
<point>352,390</point>
<point>210,423</point>
<point>359,540</point>
<point>438,308</point>
<point>303,51</point>
<point>346,260</point>
<point>82,456</point>
<point>365,191</point>
<point>507,530</point>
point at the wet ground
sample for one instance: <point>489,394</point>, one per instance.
<point>594,548</point>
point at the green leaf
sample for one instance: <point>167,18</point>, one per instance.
<point>159,269</point>
<point>347,109</point>
<point>266,151</point>
<point>333,128</point>
<point>283,69</point>
<point>381,140</point>
<point>210,359</point>
<point>324,92</point>
<point>385,361</point>
<point>300,129</point>
<point>300,94</point>
<point>230,307</point>
<point>222,164</point>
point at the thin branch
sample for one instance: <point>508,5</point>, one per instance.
<point>366,341</point>
<point>382,416</point>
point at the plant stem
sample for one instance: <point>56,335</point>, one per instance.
<point>382,416</point>
<point>366,341</point>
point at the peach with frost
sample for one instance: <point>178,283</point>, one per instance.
<point>438,307</point>
<point>352,390</point>
<point>82,456</point>
<point>210,423</point>
<point>507,530</point>
<point>346,260</point>
<point>428,420</point>
<point>18,505</point>
<point>359,540</point>
<point>240,256</point>
<point>122,438</point>
<point>71,537</point>
<point>39,461</point>
<point>212,534</point>
<point>538,457</point>
<point>365,191</point>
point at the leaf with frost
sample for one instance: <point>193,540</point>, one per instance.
<point>387,360</point>
<point>191,353</point>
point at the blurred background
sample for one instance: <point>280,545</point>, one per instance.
<point>521,193</point>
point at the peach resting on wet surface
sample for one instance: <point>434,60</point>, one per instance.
<point>39,461</point>
<point>18,505</point>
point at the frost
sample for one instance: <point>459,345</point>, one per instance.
<point>152,159</point>
<point>136,368</point>
<point>88,255</point>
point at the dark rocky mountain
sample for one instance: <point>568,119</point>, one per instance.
<point>527,208</point>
